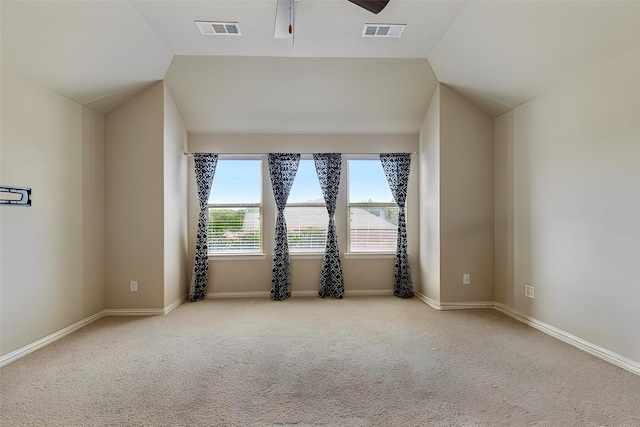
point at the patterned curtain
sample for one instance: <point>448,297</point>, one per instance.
<point>396,167</point>
<point>328,169</point>
<point>282,170</point>
<point>205,166</point>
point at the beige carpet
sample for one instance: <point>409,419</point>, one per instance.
<point>306,361</point>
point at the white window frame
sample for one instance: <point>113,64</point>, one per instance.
<point>254,254</point>
<point>351,253</point>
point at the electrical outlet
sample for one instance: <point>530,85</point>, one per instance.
<point>133,286</point>
<point>466,279</point>
<point>528,291</point>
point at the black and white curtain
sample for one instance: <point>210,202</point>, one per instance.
<point>205,167</point>
<point>328,170</point>
<point>396,167</point>
<point>282,170</point>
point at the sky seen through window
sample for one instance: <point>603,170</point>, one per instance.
<point>367,182</point>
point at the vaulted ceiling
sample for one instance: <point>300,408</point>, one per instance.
<point>499,54</point>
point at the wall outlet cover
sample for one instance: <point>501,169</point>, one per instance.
<point>529,291</point>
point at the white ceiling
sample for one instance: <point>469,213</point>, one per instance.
<point>499,54</point>
<point>324,28</point>
<point>512,51</point>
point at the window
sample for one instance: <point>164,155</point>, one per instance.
<point>235,207</point>
<point>306,213</point>
<point>373,213</point>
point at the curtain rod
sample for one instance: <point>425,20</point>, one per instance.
<point>189,154</point>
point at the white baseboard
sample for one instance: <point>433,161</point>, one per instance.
<point>465,305</point>
<point>168,309</point>
<point>21,352</point>
<point>430,302</point>
<point>453,305</point>
<point>372,293</point>
<point>266,294</point>
<point>593,349</point>
<point>600,352</point>
<point>144,311</point>
<point>258,294</point>
<point>134,312</point>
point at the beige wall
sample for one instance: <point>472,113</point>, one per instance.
<point>456,154</point>
<point>576,205</point>
<point>93,212</point>
<point>429,158</point>
<point>303,143</point>
<point>466,199</point>
<point>52,253</point>
<point>360,274</point>
<point>175,203</point>
<point>134,135</point>
<point>503,210</point>
<point>1,210</point>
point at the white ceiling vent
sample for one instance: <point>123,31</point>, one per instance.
<point>383,30</point>
<point>208,28</point>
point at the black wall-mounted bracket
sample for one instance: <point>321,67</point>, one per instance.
<point>24,192</point>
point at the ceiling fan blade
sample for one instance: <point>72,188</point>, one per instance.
<point>373,6</point>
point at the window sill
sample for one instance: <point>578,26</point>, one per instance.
<point>237,257</point>
<point>369,255</point>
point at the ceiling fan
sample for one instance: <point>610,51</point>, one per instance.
<point>373,6</point>
<point>286,14</point>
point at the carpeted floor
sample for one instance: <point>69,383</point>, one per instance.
<point>311,362</point>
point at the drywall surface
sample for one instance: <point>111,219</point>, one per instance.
<point>52,251</point>
<point>429,155</point>
<point>576,205</point>
<point>134,136</point>
<point>303,143</point>
<point>175,203</point>
<point>466,200</point>
<point>361,274</point>
<point>503,210</point>
<point>456,200</point>
<point>93,213</point>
